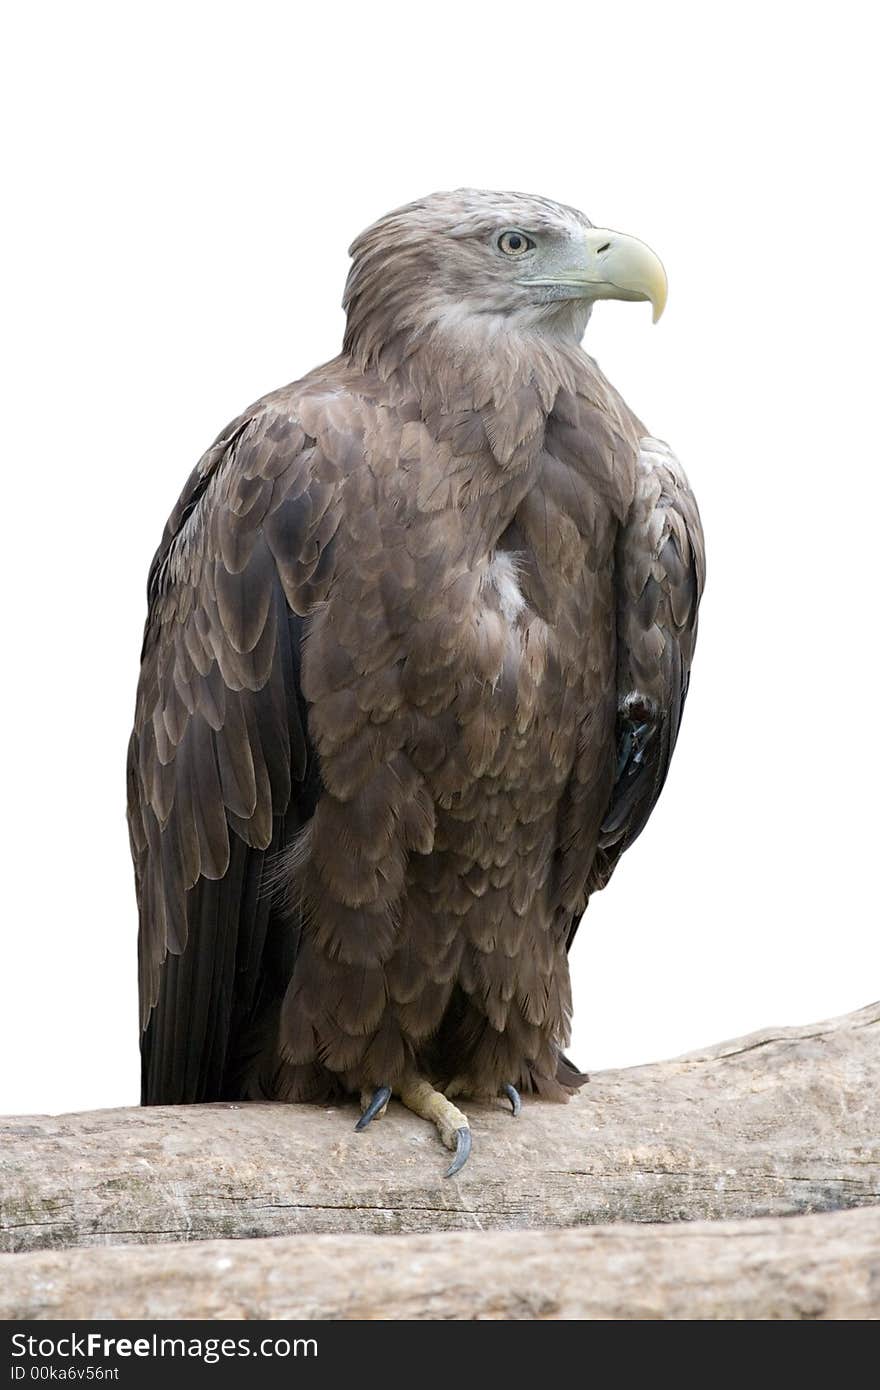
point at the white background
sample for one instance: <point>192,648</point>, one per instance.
<point>184,182</point>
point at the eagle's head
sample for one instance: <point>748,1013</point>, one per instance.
<point>477,262</point>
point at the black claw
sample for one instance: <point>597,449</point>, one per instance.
<point>381,1097</point>
<point>514,1097</point>
<point>462,1151</point>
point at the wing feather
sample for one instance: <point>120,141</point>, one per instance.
<point>221,771</point>
<point>661,568</point>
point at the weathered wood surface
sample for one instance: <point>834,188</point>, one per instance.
<point>824,1266</point>
<point>781,1122</point>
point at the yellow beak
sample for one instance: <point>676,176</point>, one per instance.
<point>614,266</point>
<point>622,267</point>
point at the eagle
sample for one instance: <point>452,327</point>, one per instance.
<point>419,638</point>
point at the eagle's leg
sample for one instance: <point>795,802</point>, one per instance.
<point>420,1097</point>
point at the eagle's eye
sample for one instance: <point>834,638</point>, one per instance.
<point>515,243</point>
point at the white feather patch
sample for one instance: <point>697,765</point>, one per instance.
<point>502,577</point>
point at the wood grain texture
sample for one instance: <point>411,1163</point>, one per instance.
<point>784,1121</point>
<point>825,1266</point>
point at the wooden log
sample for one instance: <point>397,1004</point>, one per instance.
<point>790,1267</point>
<point>784,1121</point>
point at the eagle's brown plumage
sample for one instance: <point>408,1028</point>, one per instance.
<point>419,636</point>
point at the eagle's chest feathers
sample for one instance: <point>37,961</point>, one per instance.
<point>472,617</point>
<point>538,548</point>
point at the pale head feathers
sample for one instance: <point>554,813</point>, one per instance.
<point>435,268</point>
